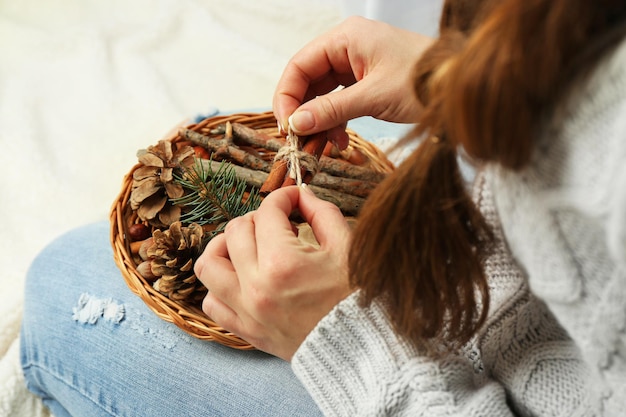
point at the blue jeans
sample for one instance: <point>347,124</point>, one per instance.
<point>90,347</point>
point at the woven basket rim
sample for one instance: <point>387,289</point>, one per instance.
<point>190,318</point>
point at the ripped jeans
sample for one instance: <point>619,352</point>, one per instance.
<point>90,347</point>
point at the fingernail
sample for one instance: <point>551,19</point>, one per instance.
<point>301,121</point>
<point>281,129</point>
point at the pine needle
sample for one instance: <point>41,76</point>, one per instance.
<point>214,197</point>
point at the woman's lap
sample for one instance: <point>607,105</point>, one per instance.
<point>91,347</point>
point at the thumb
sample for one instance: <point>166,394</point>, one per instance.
<point>328,224</point>
<point>331,110</point>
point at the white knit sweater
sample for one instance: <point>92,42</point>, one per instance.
<point>555,340</point>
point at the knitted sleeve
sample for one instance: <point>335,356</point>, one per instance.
<point>521,363</point>
<point>353,365</point>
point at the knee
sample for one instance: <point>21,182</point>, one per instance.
<point>63,258</point>
<point>77,262</point>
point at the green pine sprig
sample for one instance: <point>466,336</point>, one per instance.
<point>214,197</point>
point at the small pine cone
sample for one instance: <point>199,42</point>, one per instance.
<point>171,256</point>
<point>153,183</point>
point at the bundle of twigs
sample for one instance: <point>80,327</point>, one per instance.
<point>339,181</point>
<point>249,142</point>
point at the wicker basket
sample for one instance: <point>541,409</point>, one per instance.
<point>188,317</point>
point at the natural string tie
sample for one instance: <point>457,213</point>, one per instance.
<point>297,159</point>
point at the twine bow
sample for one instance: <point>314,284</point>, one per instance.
<point>297,159</point>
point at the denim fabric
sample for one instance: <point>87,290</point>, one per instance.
<point>90,347</point>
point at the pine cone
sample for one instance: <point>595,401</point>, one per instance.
<point>153,183</point>
<point>170,256</point>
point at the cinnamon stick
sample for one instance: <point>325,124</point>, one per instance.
<point>313,145</point>
<point>276,177</point>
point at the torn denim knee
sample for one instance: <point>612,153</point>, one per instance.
<point>89,309</point>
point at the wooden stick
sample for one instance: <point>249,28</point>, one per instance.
<point>345,185</point>
<point>348,204</point>
<point>224,148</point>
<point>342,168</point>
<point>254,137</point>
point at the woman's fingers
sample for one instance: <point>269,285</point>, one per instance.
<point>265,284</point>
<point>241,244</point>
<point>273,228</point>
<point>326,220</point>
<point>221,313</point>
<point>217,273</point>
<point>372,60</point>
<point>215,256</point>
<point>319,67</point>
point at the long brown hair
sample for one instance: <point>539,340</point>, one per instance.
<point>487,84</point>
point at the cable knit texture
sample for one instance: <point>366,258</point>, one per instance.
<point>555,340</point>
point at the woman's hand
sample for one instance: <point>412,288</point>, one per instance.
<point>373,60</point>
<point>265,284</point>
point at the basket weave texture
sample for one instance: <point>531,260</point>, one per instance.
<point>190,318</point>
